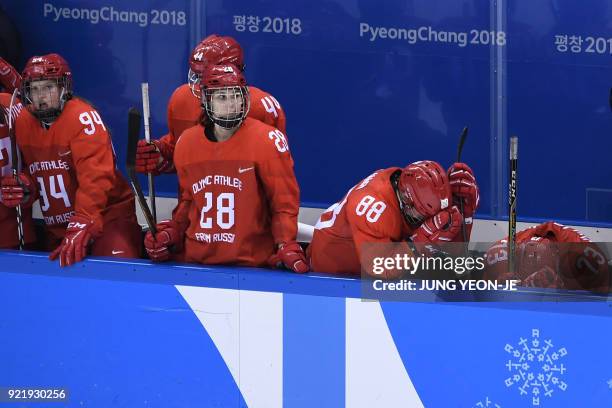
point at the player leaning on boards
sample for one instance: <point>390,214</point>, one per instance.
<point>9,80</point>
<point>551,255</point>
<point>239,196</point>
<point>69,163</point>
<point>418,203</point>
<point>184,109</point>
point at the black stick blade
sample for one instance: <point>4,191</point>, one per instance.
<point>462,138</point>
<point>134,119</point>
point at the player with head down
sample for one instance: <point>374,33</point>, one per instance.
<point>184,106</point>
<point>69,164</point>
<point>9,238</point>
<point>551,255</point>
<point>394,205</point>
<point>240,199</point>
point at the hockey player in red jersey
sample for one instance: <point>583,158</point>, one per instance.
<point>69,161</point>
<point>551,255</point>
<point>184,106</point>
<point>392,206</point>
<point>240,199</point>
<point>8,216</point>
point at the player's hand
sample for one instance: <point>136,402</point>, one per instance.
<point>464,189</point>
<point>291,256</point>
<point>80,233</point>
<point>9,77</point>
<point>442,227</point>
<point>20,191</point>
<point>168,235</point>
<point>148,156</point>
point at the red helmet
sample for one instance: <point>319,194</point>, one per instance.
<point>213,50</point>
<point>535,254</point>
<point>423,190</point>
<point>9,77</point>
<point>47,67</point>
<point>226,96</point>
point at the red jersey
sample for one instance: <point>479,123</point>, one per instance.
<point>582,264</point>
<point>369,213</point>
<point>74,164</point>
<point>8,216</point>
<point>239,196</point>
<point>184,111</point>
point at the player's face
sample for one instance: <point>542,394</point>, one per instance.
<point>227,103</point>
<point>45,94</point>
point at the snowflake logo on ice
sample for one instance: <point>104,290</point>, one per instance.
<point>487,403</point>
<point>535,367</point>
<point>610,383</point>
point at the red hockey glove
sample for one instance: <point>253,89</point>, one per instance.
<point>291,256</point>
<point>17,192</point>
<point>148,156</point>
<point>9,77</point>
<point>80,233</point>
<point>464,188</point>
<point>168,234</point>
<point>442,227</point>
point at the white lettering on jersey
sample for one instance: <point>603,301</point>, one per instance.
<point>225,210</point>
<point>58,219</point>
<point>90,119</point>
<point>48,165</point>
<point>279,140</point>
<point>376,208</point>
<point>216,179</point>
<point>202,237</point>
<point>336,208</point>
<point>271,105</point>
<point>224,237</point>
<point>218,237</point>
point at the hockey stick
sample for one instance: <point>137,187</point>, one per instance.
<point>512,184</point>
<point>146,114</point>
<point>134,118</point>
<point>462,138</point>
<point>15,166</point>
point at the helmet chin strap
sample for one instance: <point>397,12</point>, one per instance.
<point>62,98</point>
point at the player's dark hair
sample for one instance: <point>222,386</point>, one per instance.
<point>394,179</point>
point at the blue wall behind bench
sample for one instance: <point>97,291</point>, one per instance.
<point>356,103</point>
